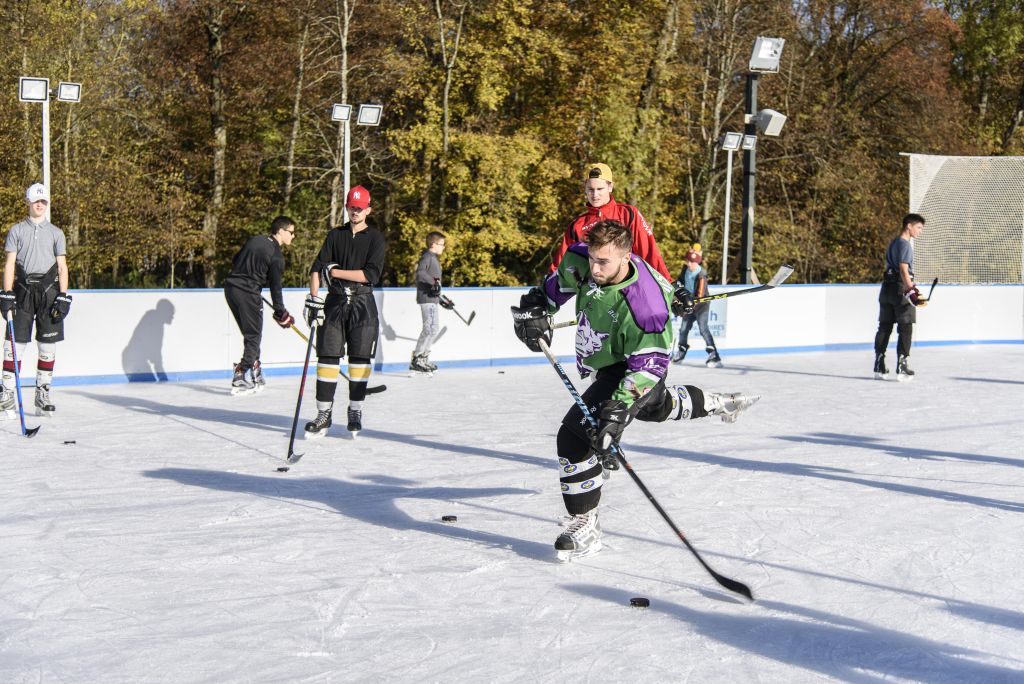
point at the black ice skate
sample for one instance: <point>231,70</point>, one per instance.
<point>903,372</point>
<point>728,406</point>
<point>44,407</point>
<point>680,353</point>
<point>714,360</point>
<point>318,426</point>
<point>257,377</point>
<point>355,421</point>
<point>8,406</point>
<point>581,538</point>
<point>419,366</point>
<point>881,372</point>
<point>240,384</point>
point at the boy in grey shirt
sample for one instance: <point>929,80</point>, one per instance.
<point>35,292</point>
<point>428,294</point>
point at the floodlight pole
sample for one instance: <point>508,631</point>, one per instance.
<point>749,173</point>
<point>348,150</point>
<point>46,150</point>
<point>728,204</point>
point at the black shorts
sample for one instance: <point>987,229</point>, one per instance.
<point>349,321</point>
<point>654,406</point>
<point>35,299</point>
<point>893,307</point>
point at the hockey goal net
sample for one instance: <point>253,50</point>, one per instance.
<point>974,208</point>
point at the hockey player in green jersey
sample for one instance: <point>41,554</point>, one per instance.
<point>624,338</point>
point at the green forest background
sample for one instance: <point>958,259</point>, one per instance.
<point>201,120</point>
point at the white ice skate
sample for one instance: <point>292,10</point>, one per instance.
<point>8,406</point>
<point>44,407</point>
<point>420,367</point>
<point>240,382</point>
<point>728,406</point>
<point>581,538</point>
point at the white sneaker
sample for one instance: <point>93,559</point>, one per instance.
<point>728,406</point>
<point>581,538</point>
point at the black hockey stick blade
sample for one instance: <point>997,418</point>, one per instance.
<point>931,289</point>
<point>31,432</point>
<point>472,315</point>
<point>376,389</point>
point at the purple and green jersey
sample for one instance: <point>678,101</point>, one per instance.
<point>623,323</point>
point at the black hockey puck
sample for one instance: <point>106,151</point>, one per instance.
<point>283,469</point>
<point>69,441</point>
<point>639,602</point>
<point>449,518</point>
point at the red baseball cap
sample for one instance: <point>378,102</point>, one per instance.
<point>358,197</point>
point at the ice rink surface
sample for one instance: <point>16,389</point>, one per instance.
<point>879,524</point>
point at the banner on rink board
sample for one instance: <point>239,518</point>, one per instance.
<point>717,318</point>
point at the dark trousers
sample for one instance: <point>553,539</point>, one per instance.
<point>894,309</point>
<point>700,315</point>
<point>247,308</point>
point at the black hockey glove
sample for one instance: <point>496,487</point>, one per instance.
<point>446,303</point>
<point>61,307</point>
<point>612,418</point>
<point>314,310</point>
<point>435,289</point>
<point>682,301</point>
<point>284,319</point>
<point>325,274</point>
<point>8,302</point>
<point>532,325</point>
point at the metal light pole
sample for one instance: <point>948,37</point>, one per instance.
<point>730,143</point>
<point>32,89</point>
<point>765,59</point>
<point>369,115</point>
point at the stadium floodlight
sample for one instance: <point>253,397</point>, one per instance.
<point>770,122</point>
<point>69,92</point>
<point>341,112</point>
<point>369,115</point>
<point>32,89</point>
<point>749,142</point>
<point>730,142</point>
<point>767,54</point>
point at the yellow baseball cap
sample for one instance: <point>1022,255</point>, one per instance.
<point>601,171</point>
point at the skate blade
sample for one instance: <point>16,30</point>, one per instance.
<point>881,376</point>
<point>421,374</point>
<point>569,556</point>
<point>40,413</point>
<point>716,364</point>
<point>315,435</point>
<point>904,378</point>
<point>241,391</point>
<point>8,415</point>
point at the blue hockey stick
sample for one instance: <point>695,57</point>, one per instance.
<point>17,378</point>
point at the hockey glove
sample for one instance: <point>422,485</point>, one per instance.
<point>682,302</point>
<point>61,307</point>
<point>446,303</point>
<point>913,295</point>
<point>8,302</point>
<point>314,310</point>
<point>532,325</point>
<point>284,319</point>
<point>435,289</point>
<point>612,418</point>
<point>325,275</point>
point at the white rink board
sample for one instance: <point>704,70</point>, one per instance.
<point>114,335</point>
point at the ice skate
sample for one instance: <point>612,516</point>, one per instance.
<point>680,353</point>
<point>425,360</point>
<point>418,366</point>
<point>581,538</point>
<point>240,384</point>
<point>713,360</point>
<point>903,372</point>
<point>318,427</point>
<point>44,407</point>
<point>728,406</point>
<point>355,421</point>
<point>881,372</point>
<point>258,380</point>
<point>8,406</point>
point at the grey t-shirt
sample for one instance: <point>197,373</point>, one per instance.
<point>900,251</point>
<point>427,270</point>
<point>36,245</point>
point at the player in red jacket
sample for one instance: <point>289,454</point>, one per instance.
<point>597,186</point>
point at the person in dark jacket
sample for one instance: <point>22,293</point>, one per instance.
<point>257,265</point>
<point>428,296</point>
<point>898,299</point>
<point>695,279</point>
